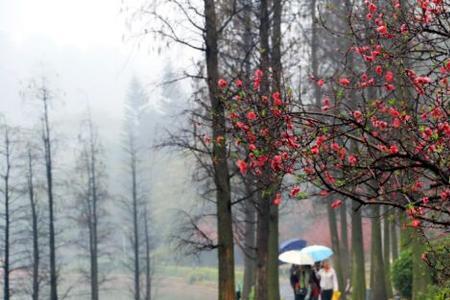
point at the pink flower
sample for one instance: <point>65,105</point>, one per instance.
<point>353,160</point>
<point>336,203</point>
<point>344,81</point>
<point>315,150</point>
<point>389,77</point>
<point>415,223</point>
<point>251,115</point>
<point>277,99</point>
<point>425,200</point>
<point>396,123</point>
<point>243,167</point>
<point>421,80</point>
<point>324,193</point>
<point>389,87</point>
<point>277,200</point>
<point>379,70</point>
<point>294,191</point>
<point>238,83</point>
<point>357,115</point>
<point>393,149</point>
<point>258,78</point>
<point>404,28</point>
<point>445,195</point>
<point>382,29</point>
<point>372,7</point>
<point>252,147</point>
<point>325,103</point>
<point>335,147</point>
<point>320,82</point>
<point>222,83</point>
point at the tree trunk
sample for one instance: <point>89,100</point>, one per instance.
<point>6,245</point>
<point>249,249</point>
<point>394,235</point>
<point>344,243</point>
<point>335,245</point>
<point>273,270</point>
<point>34,228</point>
<point>93,216</point>
<point>219,159</point>
<point>387,251</point>
<point>378,278</point>
<point>262,240</point>
<point>148,277</point>
<point>263,229</point>
<point>358,268</point>
<point>49,177</point>
<point>314,51</point>
<point>136,242</point>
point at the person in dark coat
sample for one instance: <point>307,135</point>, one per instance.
<point>300,281</point>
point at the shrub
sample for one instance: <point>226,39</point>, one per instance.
<point>435,292</point>
<point>401,274</point>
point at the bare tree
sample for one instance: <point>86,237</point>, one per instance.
<point>35,262</point>
<point>136,201</point>
<point>6,191</point>
<point>41,92</point>
<point>91,197</point>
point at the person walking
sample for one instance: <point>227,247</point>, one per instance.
<point>300,280</point>
<point>315,282</point>
<point>328,280</point>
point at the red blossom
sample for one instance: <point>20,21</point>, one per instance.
<point>222,83</point>
<point>415,223</point>
<point>277,99</point>
<point>382,29</point>
<point>315,150</point>
<point>372,7</point>
<point>445,195</point>
<point>336,203</point>
<point>393,149</point>
<point>389,76</point>
<point>344,81</point>
<point>357,115</point>
<point>294,191</point>
<point>379,70</point>
<point>277,200</point>
<point>353,160</point>
<point>243,167</point>
<point>251,115</point>
<point>396,123</point>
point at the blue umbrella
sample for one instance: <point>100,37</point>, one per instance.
<point>293,244</point>
<point>318,252</point>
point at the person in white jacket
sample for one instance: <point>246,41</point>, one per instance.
<point>328,280</point>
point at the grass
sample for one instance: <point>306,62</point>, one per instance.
<point>195,274</point>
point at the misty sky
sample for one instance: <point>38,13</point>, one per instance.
<point>83,47</point>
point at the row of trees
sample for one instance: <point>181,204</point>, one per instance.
<point>351,133</point>
<point>46,212</point>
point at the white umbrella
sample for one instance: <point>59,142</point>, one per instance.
<point>296,257</point>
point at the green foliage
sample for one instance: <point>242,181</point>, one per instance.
<point>438,256</point>
<point>435,292</point>
<point>401,274</point>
